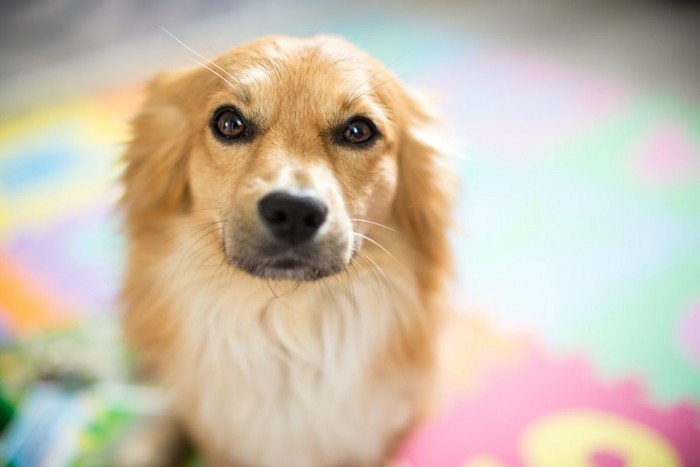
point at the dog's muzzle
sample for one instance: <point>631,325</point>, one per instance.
<point>294,240</point>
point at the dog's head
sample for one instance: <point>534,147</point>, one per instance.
<point>297,148</point>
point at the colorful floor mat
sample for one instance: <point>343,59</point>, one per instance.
<point>581,203</point>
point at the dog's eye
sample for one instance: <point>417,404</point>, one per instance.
<point>228,123</point>
<point>358,131</point>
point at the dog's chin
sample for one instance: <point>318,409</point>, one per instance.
<point>286,268</point>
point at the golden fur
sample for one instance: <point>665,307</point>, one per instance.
<point>298,370</point>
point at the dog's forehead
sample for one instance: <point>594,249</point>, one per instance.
<point>319,65</point>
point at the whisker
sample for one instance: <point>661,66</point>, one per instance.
<point>272,291</point>
<point>201,234</point>
<point>229,269</point>
<point>375,266</point>
<point>175,234</point>
<point>207,226</point>
<point>378,275</point>
<point>291,290</point>
<point>279,298</point>
<point>200,56</point>
<point>379,245</point>
<point>212,277</point>
<point>230,84</point>
<point>223,264</point>
<point>340,278</point>
<point>198,210</point>
<point>295,287</point>
<point>377,224</point>
<point>198,256</point>
<point>351,289</point>
<point>329,291</point>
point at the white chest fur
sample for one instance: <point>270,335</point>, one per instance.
<point>275,374</point>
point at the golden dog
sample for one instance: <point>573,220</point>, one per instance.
<point>286,207</point>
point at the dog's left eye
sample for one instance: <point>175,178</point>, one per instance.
<point>358,131</point>
<point>228,123</point>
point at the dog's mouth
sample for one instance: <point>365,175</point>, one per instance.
<point>286,267</point>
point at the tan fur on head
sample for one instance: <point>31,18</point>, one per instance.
<point>307,341</point>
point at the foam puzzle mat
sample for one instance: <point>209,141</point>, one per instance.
<point>581,261</point>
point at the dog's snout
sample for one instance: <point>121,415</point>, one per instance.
<point>290,218</point>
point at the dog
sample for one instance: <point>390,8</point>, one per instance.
<point>287,210</point>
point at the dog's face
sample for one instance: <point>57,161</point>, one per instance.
<point>294,150</point>
<point>292,146</point>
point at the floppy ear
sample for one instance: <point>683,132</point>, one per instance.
<point>155,176</point>
<point>425,191</point>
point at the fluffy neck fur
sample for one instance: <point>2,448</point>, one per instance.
<point>322,373</point>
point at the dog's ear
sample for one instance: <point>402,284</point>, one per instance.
<point>426,189</point>
<point>155,174</point>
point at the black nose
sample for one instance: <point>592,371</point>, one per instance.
<point>290,218</point>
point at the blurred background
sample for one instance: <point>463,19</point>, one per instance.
<point>578,252</point>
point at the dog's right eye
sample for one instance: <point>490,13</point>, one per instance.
<point>228,124</point>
